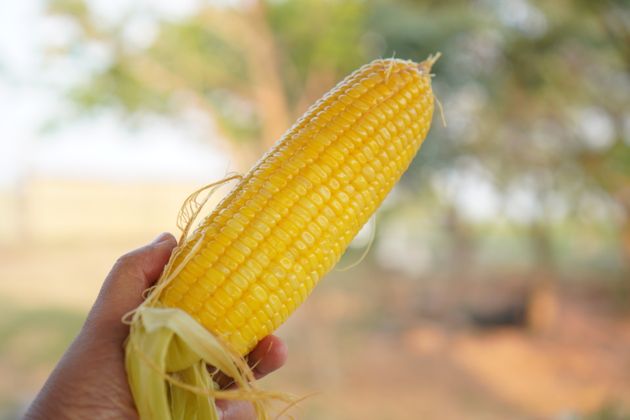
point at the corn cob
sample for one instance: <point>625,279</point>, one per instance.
<point>263,249</point>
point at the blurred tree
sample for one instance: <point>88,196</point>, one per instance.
<point>251,68</point>
<point>537,93</point>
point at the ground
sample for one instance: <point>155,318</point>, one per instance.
<point>357,348</point>
<point>368,344</point>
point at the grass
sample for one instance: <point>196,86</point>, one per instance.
<point>37,336</point>
<point>31,342</point>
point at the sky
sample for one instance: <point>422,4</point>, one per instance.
<point>100,146</point>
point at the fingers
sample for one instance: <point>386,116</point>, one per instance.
<point>236,410</point>
<point>269,355</point>
<point>144,265</point>
<point>133,273</point>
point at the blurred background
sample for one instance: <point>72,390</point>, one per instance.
<point>498,285</point>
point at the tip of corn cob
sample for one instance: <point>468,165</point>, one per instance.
<point>426,65</point>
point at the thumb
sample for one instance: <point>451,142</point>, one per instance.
<point>131,275</point>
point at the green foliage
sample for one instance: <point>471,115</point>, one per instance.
<point>515,80</point>
<point>336,47</point>
<point>76,8</point>
<point>199,56</point>
<point>120,86</point>
<point>610,411</point>
<point>47,331</point>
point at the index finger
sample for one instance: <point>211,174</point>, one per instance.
<point>269,355</point>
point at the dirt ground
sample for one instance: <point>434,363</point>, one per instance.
<point>578,369</point>
<point>357,357</point>
<point>362,347</point>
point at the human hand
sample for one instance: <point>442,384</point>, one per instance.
<point>90,380</point>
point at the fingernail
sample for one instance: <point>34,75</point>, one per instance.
<point>161,238</point>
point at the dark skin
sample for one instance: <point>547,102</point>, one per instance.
<point>90,381</point>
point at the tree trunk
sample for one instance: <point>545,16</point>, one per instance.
<point>461,245</point>
<point>264,63</point>
<point>461,262</point>
<point>542,302</point>
<point>625,245</point>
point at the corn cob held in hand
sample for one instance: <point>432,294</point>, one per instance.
<point>262,250</point>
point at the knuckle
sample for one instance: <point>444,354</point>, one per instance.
<point>127,260</point>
